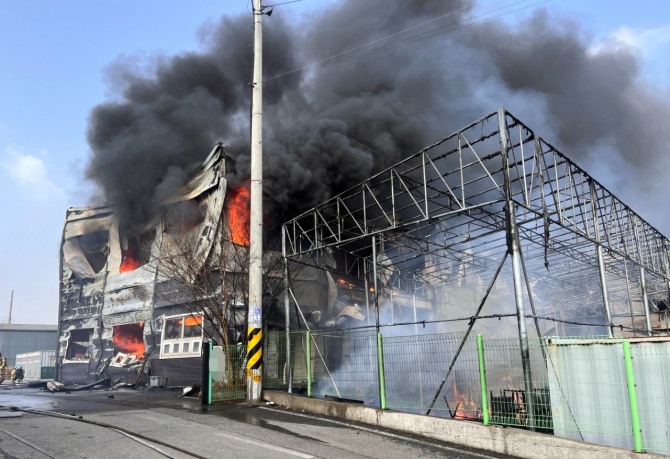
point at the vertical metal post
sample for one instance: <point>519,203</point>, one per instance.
<point>632,396</point>
<point>367,291</point>
<point>630,299</point>
<point>206,374</point>
<point>374,279</point>
<point>308,361</point>
<point>287,317</point>
<point>482,379</point>
<point>380,364</point>
<point>603,287</point>
<point>645,300</point>
<point>255,312</point>
<point>601,258</point>
<point>416,334</point>
<point>513,250</point>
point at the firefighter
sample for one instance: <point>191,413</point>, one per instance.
<point>17,375</point>
<point>3,362</point>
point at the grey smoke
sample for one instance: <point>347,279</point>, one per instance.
<point>331,126</point>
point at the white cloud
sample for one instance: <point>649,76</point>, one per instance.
<point>646,41</point>
<point>30,173</point>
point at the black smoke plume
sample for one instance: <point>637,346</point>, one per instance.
<point>332,125</point>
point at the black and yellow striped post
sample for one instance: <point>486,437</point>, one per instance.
<point>254,359</point>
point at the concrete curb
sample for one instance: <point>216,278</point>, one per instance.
<point>514,442</point>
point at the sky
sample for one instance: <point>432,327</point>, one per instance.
<point>53,61</point>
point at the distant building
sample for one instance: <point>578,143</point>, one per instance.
<point>22,338</point>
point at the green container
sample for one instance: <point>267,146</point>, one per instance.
<point>48,373</point>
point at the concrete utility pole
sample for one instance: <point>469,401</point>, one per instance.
<point>255,313</point>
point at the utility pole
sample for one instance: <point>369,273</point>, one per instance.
<point>11,304</point>
<point>255,313</point>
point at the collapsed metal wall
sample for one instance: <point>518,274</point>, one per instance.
<point>490,226</point>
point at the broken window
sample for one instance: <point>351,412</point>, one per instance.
<point>182,217</point>
<point>182,336</point>
<point>94,246</point>
<point>136,249</point>
<point>129,339</point>
<point>80,345</point>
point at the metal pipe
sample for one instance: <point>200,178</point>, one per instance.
<point>603,288</point>
<point>287,318</point>
<point>367,291</point>
<point>416,333</point>
<point>645,300</point>
<point>482,379</point>
<point>513,250</point>
<point>308,361</point>
<point>601,258</point>
<point>374,280</point>
<point>380,364</point>
<point>632,396</point>
<point>630,301</point>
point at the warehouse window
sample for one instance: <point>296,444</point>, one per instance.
<point>182,336</point>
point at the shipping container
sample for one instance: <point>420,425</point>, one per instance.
<point>38,364</point>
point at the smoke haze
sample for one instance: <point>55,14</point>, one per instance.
<point>330,126</point>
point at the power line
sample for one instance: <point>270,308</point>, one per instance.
<point>423,36</point>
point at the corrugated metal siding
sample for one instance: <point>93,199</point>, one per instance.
<point>18,342</point>
<point>589,392</point>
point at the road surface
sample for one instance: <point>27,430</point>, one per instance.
<point>128,423</point>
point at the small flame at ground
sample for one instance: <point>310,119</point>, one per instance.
<point>238,215</point>
<point>466,408</point>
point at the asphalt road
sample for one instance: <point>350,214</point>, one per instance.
<point>147,424</point>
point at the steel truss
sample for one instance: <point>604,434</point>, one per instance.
<point>452,210</point>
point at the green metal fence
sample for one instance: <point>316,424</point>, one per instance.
<point>432,374</point>
<point>596,389</point>
<point>227,372</point>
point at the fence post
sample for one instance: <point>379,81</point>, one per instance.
<point>206,374</point>
<point>482,379</point>
<point>308,364</point>
<point>380,364</point>
<point>632,396</point>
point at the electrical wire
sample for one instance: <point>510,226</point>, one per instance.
<point>423,36</point>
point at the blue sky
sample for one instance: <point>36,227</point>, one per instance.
<point>52,59</point>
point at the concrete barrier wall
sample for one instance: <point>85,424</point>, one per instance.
<point>503,440</point>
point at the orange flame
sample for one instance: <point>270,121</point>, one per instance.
<point>238,215</point>
<point>190,321</point>
<point>466,408</point>
<point>128,339</point>
<point>344,283</point>
<point>128,261</point>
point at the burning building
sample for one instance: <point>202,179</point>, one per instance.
<point>139,301</point>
